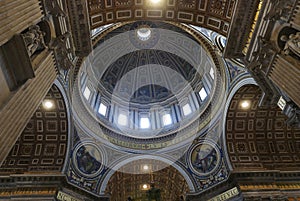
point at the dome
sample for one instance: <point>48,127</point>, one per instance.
<point>148,81</point>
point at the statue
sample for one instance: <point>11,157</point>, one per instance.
<point>279,9</point>
<point>129,199</point>
<point>260,58</point>
<point>261,55</point>
<point>61,50</point>
<point>55,9</point>
<point>34,39</point>
<point>292,44</point>
<point>293,113</point>
<point>153,194</point>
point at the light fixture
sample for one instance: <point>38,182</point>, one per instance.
<point>48,104</point>
<point>146,167</point>
<point>155,1</point>
<point>145,186</point>
<point>245,104</point>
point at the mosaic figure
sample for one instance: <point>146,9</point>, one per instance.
<point>204,158</point>
<point>88,159</point>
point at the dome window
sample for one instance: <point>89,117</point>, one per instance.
<point>144,122</point>
<point>203,94</point>
<point>122,120</point>
<point>167,119</point>
<point>187,109</point>
<point>102,109</point>
<point>87,93</point>
<point>212,73</point>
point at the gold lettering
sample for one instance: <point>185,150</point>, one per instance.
<point>226,195</point>
<point>65,197</point>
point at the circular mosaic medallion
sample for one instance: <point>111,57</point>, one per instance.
<point>205,158</point>
<point>88,159</point>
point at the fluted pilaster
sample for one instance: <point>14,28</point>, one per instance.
<point>296,16</point>
<point>285,74</point>
<point>16,16</point>
<point>18,111</point>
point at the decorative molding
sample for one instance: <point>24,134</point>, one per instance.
<point>182,11</point>
<point>80,26</point>
<point>242,20</point>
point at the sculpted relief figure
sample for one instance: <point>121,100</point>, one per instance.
<point>55,8</point>
<point>292,44</point>
<point>60,47</point>
<point>261,55</point>
<point>279,9</point>
<point>34,39</point>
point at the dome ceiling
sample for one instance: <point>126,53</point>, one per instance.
<point>152,82</point>
<point>149,91</point>
<point>148,82</point>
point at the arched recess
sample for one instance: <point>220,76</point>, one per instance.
<point>43,144</point>
<point>258,139</point>
<point>47,27</point>
<point>125,182</point>
<point>166,161</point>
<point>214,15</point>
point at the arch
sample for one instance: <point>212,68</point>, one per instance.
<point>63,92</point>
<point>159,158</point>
<point>48,28</point>
<point>42,146</point>
<point>242,82</point>
<point>257,138</point>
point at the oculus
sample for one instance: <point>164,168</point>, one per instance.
<point>144,33</point>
